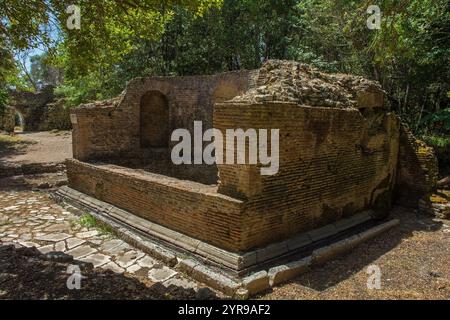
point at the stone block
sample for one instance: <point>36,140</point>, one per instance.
<point>257,282</point>
<point>285,272</point>
<point>215,280</point>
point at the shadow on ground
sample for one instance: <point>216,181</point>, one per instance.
<point>33,182</point>
<point>344,267</point>
<point>25,273</point>
<point>13,145</point>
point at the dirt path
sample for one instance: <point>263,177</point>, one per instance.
<point>413,259</point>
<point>40,147</point>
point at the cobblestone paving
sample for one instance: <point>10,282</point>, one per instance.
<point>30,218</point>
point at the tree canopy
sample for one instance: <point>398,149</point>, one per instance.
<point>120,40</point>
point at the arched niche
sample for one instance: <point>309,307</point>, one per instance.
<point>154,120</point>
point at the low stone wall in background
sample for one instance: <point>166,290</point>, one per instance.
<point>40,110</point>
<point>56,116</point>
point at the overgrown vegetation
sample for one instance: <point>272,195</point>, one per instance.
<point>438,141</point>
<point>90,222</point>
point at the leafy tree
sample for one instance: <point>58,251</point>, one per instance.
<point>120,40</point>
<point>43,73</point>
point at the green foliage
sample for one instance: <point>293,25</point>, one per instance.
<point>43,72</point>
<point>110,30</point>
<point>120,40</point>
<point>440,118</point>
<point>82,89</point>
<point>437,141</point>
<point>3,100</point>
<point>90,222</point>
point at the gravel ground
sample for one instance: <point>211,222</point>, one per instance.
<point>414,260</point>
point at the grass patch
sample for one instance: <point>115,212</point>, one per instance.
<point>90,222</point>
<point>12,143</point>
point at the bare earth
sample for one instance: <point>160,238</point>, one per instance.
<point>414,260</point>
<point>41,147</point>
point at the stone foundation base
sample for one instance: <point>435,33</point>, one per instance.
<point>235,274</point>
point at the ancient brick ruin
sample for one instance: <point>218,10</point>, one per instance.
<point>39,111</point>
<point>340,153</point>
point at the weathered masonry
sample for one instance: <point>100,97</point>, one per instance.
<point>340,153</point>
<point>39,111</point>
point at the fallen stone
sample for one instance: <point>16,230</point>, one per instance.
<point>241,294</point>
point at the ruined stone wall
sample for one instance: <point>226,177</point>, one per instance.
<point>56,116</point>
<point>417,169</point>
<point>333,163</point>
<point>32,106</point>
<point>111,129</point>
<point>7,119</point>
<point>339,152</point>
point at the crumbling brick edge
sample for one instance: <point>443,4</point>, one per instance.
<point>233,286</point>
<point>12,170</point>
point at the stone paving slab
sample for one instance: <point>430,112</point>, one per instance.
<point>161,273</point>
<point>97,259</point>
<point>32,219</point>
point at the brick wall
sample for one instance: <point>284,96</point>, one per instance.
<point>339,154</point>
<point>333,163</point>
<point>418,169</point>
<point>111,130</point>
<point>189,207</point>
